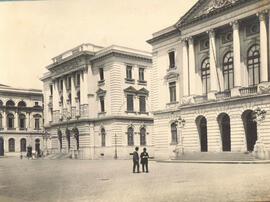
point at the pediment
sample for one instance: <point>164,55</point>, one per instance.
<point>203,8</point>
<point>130,89</point>
<point>143,91</point>
<point>171,76</point>
<point>100,91</point>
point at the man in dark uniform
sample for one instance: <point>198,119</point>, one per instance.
<point>144,160</point>
<point>136,160</point>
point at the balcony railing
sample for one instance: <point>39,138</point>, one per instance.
<point>200,99</point>
<point>223,95</point>
<point>84,110</point>
<point>248,90</point>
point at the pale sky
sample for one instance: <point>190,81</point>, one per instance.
<point>32,32</point>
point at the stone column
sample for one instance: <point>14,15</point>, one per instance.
<point>185,70</point>
<point>29,121</point>
<point>213,67</point>
<point>268,41</point>
<point>85,86</point>
<point>65,96</point>
<point>82,87</point>
<point>73,91</point>
<point>4,120</point>
<point>192,66</point>
<point>236,60</point>
<point>263,48</point>
<point>92,140</point>
<point>16,120</point>
<point>55,96</point>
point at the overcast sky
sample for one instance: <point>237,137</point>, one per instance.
<point>32,32</point>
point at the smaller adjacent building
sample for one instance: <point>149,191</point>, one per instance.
<point>21,120</point>
<point>96,101</point>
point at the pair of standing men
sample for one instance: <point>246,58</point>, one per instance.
<point>144,160</point>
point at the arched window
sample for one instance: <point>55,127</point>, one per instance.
<point>205,75</point>
<point>23,145</point>
<point>10,103</point>
<point>11,145</point>
<point>103,137</point>
<point>1,124</point>
<point>22,121</point>
<point>253,65</point>
<point>228,70</point>
<point>130,136</point>
<point>10,121</point>
<point>37,121</point>
<point>21,104</point>
<point>174,133</point>
<point>142,136</point>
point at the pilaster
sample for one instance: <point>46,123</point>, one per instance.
<point>263,47</point>
<point>213,67</point>
<point>185,69</point>
<point>191,66</point>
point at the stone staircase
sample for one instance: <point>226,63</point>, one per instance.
<point>57,156</point>
<point>216,156</point>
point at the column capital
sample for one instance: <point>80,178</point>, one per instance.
<point>261,15</point>
<point>235,24</point>
<point>190,39</point>
<point>211,32</point>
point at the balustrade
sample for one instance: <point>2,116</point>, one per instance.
<point>248,90</point>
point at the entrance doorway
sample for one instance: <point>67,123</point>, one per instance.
<point>37,146</point>
<point>250,129</point>
<point>225,131</point>
<point>202,129</point>
<point>1,146</point>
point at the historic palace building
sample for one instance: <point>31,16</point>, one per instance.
<point>96,101</point>
<point>21,120</point>
<point>211,89</point>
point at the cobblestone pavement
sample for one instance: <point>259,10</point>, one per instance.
<point>112,180</point>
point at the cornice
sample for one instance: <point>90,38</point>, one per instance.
<point>163,36</point>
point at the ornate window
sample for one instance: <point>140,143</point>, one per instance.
<point>103,137</point>
<point>102,104</point>
<point>172,59</point>
<point>78,79</point>
<point>21,104</point>
<point>22,121</point>
<point>23,145</point>
<point>79,96</point>
<point>37,123</point>
<point>11,145</point>
<point>10,103</point>
<point>130,135</point>
<point>253,65</point>
<point>142,104</point>
<point>228,70</point>
<point>10,121</point>
<point>205,75</point>
<point>129,72</point>
<point>130,103</point>
<point>172,88</point>
<point>174,133</point>
<point>101,74</point>
<point>142,136</point>
<point>141,74</point>
<point>1,124</point>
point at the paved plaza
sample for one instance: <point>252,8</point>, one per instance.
<point>112,180</point>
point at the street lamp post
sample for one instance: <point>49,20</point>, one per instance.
<point>115,147</point>
<point>180,147</point>
<point>259,117</point>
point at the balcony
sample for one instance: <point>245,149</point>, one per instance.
<point>223,95</point>
<point>50,104</point>
<point>84,110</point>
<point>248,90</point>
<point>200,99</point>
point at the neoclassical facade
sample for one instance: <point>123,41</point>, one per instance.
<point>21,120</point>
<point>96,101</point>
<point>211,90</point>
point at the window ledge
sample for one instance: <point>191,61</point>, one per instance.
<point>22,128</point>
<point>101,82</point>
<point>173,143</point>
<point>100,113</point>
<point>133,112</point>
<point>147,113</point>
<point>172,103</point>
<point>11,128</point>
<point>171,68</point>
<point>142,82</point>
<point>36,128</point>
<point>131,81</point>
